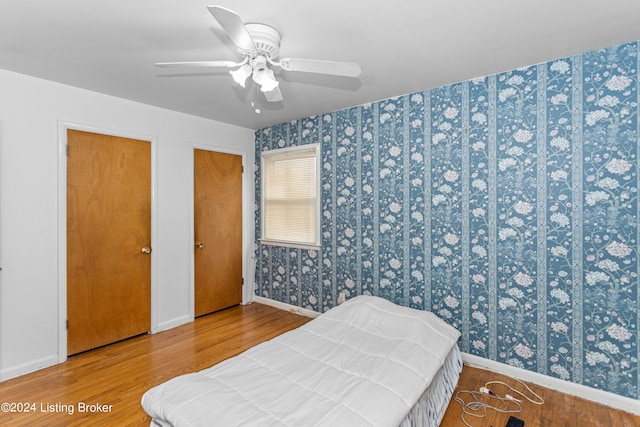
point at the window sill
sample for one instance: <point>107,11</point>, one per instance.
<point>286,244</point>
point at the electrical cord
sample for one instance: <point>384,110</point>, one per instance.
<point>538,400</point>
<point>481,401</point>
<point>478,408</point>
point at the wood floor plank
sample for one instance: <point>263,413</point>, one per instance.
<point>558,410</point>
<point>120,373</point>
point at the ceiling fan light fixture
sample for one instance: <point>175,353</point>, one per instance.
<point>241,74</point>
<point>268,81</point>
<point>263,75</point>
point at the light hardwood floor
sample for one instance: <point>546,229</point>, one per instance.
<point>115,377</point>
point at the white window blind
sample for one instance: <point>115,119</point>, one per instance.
<point>290,195</point>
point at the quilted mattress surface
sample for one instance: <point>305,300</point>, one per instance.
<point>363,363</point>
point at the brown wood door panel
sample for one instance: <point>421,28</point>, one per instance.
<point>218,225</point>
<point>108,224</point>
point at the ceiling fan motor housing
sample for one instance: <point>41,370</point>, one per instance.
<point>265,38</point>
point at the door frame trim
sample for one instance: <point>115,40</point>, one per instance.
<point>246,222</point>
<point>63,127</point>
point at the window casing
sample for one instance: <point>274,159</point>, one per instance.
<point>291,196</point>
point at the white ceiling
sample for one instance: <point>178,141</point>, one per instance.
<point>402,46</point>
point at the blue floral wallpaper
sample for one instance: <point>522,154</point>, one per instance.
<point>507,204</point>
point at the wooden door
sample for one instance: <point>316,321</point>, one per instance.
<point>108,239</point>
<point>217,230</point>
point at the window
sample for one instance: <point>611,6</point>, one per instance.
<point>291,196</point>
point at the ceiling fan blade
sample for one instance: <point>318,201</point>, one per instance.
<point>273,95</point>
<point>197,64</point>
<point>232,24</point>
<point>347,69</point>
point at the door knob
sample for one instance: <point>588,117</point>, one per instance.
<point>146,250</point>
<point>199,244</point>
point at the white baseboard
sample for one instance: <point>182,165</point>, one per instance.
<point>288,307</point>
<point>169,324</point>
<point>578,390</point>
<point>29,367</point>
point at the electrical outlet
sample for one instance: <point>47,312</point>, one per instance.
<point>342,298</point>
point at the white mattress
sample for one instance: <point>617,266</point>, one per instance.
<point>430,408</point>
<point>364,363</point>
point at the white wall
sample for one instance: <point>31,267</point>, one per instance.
<point>32,112</point>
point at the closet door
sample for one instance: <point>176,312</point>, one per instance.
<point>108,239</point>
<point>217,230</point>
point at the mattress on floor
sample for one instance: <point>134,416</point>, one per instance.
<point>430,408</point>
<point>366,362</point>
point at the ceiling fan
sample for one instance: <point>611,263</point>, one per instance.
<point>259,44</point>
